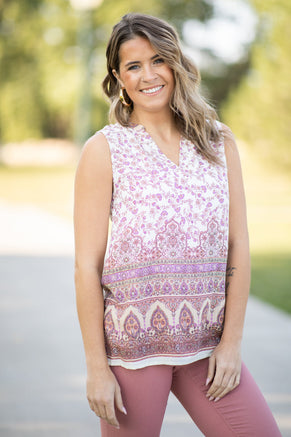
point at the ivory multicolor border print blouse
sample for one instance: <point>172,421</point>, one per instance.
<point>165,263</point>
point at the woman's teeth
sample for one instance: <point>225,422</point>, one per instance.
<point>152,90</point>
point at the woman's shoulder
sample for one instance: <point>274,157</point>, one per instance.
<point>226,135</point>
<point>109,140</point>
<point>115,134</point>
<point>95,162</point>
<point>96,149</point>
<point>114,129</point>
<point>224,130</point>
<point>230,146</point>
<point>100,138</point>
<point>226,146</point>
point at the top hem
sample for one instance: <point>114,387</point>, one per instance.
<point>155,361</point>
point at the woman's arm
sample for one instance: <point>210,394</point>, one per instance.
<point>93,191</point>
<point>225,361</point>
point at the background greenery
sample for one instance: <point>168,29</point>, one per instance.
<point>42,51</point>
<point>42,73</point>
<point>259,108</point>
<point>44,47</point>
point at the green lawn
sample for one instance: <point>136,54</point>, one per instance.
<point>268,194</point>
<point>271,279</point>
<point>50,188</point>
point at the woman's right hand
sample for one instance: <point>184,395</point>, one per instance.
<point>102,390</point>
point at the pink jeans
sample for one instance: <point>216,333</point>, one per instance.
<point>242,412</point>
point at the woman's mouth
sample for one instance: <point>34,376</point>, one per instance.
<point>153,90</point>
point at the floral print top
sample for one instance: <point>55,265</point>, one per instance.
<point>164,268</point>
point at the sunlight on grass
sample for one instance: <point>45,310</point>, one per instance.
<point>271,279</point>
<point>268,196</point>
<point>50,188</point>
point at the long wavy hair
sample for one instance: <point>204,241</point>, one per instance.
<point>194,117</point>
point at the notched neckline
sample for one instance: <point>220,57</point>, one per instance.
<point>141,129</point>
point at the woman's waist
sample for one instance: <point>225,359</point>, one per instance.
<point>192,287</point>
<point>159,270</point>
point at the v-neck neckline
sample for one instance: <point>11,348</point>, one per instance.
<point>141,128</point>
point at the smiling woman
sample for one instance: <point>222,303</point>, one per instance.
<point>152,302</point>
<point>191,115</point>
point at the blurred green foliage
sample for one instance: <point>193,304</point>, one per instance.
<point>37,84</point>
<point>47,66</point>
<point>259,109</point>
<point>42,71</point>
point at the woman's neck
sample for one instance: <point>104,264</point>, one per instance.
<point>155,122</point>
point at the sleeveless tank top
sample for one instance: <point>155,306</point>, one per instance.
<point>164,269</point>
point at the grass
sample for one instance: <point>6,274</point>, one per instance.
<point>271,279</point>
<point>268,194</point>
<point>50,188</point>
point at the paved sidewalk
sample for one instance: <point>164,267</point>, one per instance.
<point>42,364</point>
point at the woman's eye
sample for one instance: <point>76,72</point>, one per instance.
<point>133,67</point>
<point>159,61</point>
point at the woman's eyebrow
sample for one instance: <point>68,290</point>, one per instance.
<point>138,62</point>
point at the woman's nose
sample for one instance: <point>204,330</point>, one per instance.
<point>149,74</point>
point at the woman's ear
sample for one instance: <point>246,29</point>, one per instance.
<point>116,75</point>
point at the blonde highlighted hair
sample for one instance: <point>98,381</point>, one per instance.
<point>194,117</point>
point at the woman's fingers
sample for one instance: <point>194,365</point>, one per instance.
<point>110,415</point>
<point>102,411</point>
<point>225,388</point>
<point>118,399</point>
<point>102,395</point>
<point>216,384</point>
<point>105,411</point>
<point>225,366</point>
<point>97,408</point>
<point>223,383</point>
<point>211,370</point>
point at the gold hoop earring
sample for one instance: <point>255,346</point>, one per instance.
<point>122,99</point>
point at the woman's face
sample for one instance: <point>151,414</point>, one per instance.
<point>148,80</point>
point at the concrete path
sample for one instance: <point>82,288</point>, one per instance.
<point>42,380</point>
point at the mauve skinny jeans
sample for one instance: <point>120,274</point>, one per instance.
<point>242,412</point>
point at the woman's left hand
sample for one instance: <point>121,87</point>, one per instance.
<point>224,370</point>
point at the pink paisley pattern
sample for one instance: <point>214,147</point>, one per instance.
<point>164,268</point>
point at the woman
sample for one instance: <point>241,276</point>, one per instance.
<point>176,272</point>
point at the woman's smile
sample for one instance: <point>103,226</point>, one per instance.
<point>152,91</point>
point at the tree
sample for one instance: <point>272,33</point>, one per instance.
<point>259,109</point>
<point>41,58</point>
